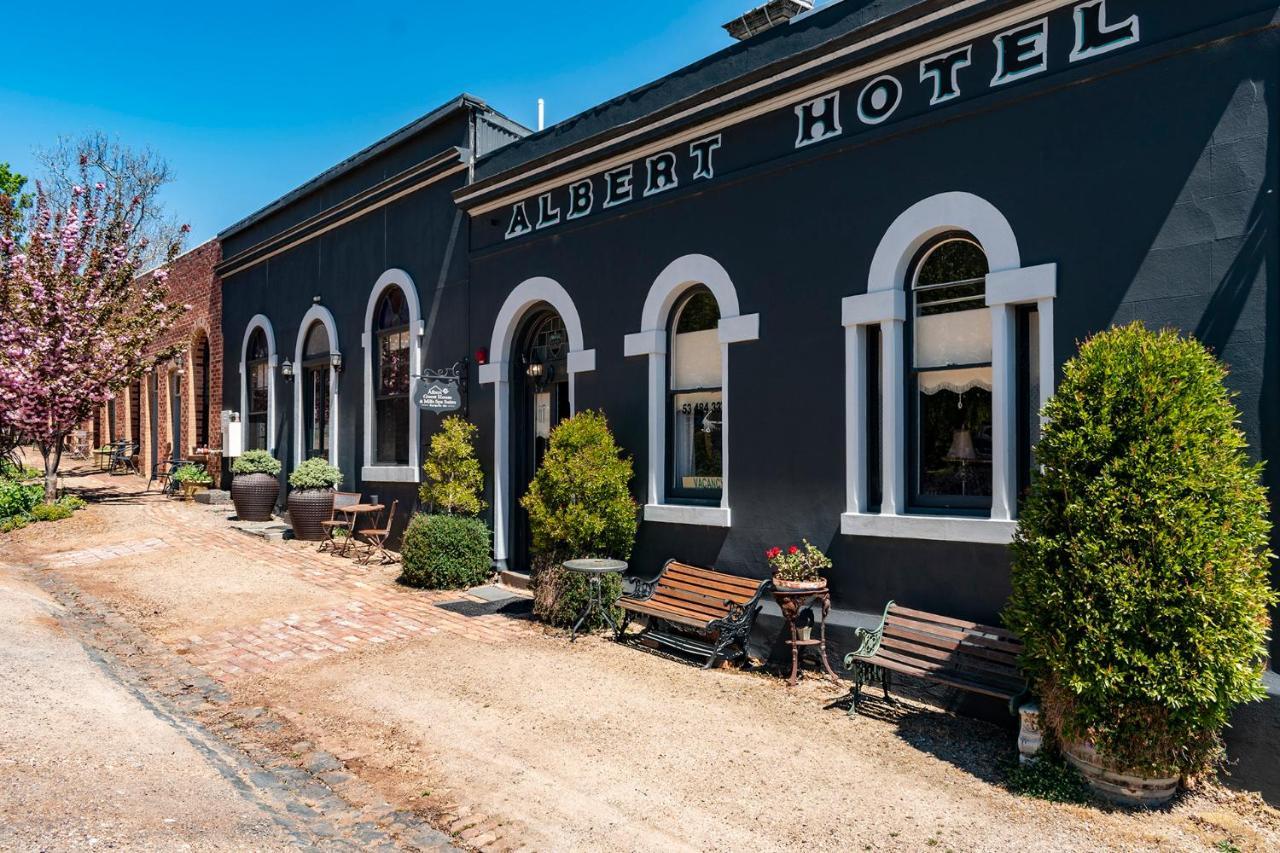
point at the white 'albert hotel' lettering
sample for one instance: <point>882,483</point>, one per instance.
<point>659,173</point>
<point>1021,52</point>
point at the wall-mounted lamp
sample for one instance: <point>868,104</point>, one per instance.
<point>286,369</point>
<point>178,366</point>
<point>335,361</point>
<point>315,300</point>
<point>535,370</point>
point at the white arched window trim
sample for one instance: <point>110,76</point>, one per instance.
<point>371,472</point>
<point>1009,284</point>
<point>497,372</point>
<point>680,275</point>
<point>316,314</point>
<point>260,321</point>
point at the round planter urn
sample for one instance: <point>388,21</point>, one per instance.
<point>254,496</point>
<point>307,508</point>
<point>1122,788</point>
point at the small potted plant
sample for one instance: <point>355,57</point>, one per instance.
<point>311,498</point>
<point>191,478</point>
<point>797,567</point>
<point>254,487</point>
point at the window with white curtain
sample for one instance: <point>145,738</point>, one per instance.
<point>950,377</point>
<point>696,400</point>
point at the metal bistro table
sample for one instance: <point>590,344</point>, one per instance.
<point>594,570</point>
<point>354,512</point>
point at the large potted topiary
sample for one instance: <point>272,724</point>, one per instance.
<point>311,488</point>
<point>1140,567</point>
<point>579,505</point>
<point>254,487</point>
<point>449,547</point>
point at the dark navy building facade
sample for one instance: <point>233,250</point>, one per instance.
<point>820,282</point>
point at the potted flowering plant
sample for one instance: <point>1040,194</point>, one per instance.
<point>191,478</point>
<point>798,567</point>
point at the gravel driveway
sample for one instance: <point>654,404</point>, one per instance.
<point>497,731</point>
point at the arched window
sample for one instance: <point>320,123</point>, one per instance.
<point>392,371</point>
<point>316,392</point>
<point>258,376</point>
<point>950,376</point>
<point>696,400</point>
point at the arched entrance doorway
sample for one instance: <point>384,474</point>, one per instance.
<point>540,386</point>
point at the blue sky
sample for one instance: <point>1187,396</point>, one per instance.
<point>248,100</point>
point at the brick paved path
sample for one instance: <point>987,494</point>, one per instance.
<point>377,610</point>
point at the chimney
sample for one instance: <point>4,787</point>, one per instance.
<point>766,17</point>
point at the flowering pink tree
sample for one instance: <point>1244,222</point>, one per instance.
<point>76,322</point>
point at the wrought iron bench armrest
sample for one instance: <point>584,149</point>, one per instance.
<point>868,641</point>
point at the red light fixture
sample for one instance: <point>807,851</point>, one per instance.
<point>482,355</point>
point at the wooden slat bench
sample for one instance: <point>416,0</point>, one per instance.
<point>696,611</point>
<point>964,655</point>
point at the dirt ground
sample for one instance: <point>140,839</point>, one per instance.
<point>83,764</point>
<point>596,746</point>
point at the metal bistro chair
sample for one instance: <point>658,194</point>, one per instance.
<point>376,538</point>
<point>116,459</point>
<point>160,473</point>
<point>79,446</point>
<point>330,541</point>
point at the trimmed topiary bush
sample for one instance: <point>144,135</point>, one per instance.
<point>445,552</point>
<point>454,479</point>
<point>256,462</point>
<point>315,474</point>
<point>579,505</point>
<point>1140,568</point>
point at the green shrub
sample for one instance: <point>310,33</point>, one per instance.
<point>17,499</point>
<point>454,479</point>
<point>256,462</point>
<point>445,552</point>
<point>50,512</point>
<point>17,522</point>
<point>72,502</point>
<point>579,505</point>
<point>315,474</point>
<point>1140,568</point>
<point>10,470</point>
<point>191,474</point>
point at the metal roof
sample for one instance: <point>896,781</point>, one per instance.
<point>462,102</point>
<point>805,33</point>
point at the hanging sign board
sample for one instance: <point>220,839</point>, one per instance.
<point>441,391</point>
<point>437,395</point>
<point>542,414</point>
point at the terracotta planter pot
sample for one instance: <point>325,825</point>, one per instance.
<point>307,508</point>
<point>189,490</point>
<point>1122,788</point>
<point>254,496</point>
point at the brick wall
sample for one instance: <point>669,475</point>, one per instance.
<point>196,376</point>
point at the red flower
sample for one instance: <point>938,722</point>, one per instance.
<point>772,553</point>
<point>793,550</point>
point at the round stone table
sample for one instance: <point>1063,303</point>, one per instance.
<point>594,569</point>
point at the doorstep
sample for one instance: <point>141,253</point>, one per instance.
<point>514,580</point>
<point>272,531</point>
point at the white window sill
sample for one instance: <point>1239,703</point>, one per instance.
<point>389,474</point>
<point>938,528</point>
<point>701,516</point>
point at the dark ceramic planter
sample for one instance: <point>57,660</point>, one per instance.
<point>254,496</point>
<point>307,508</point>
